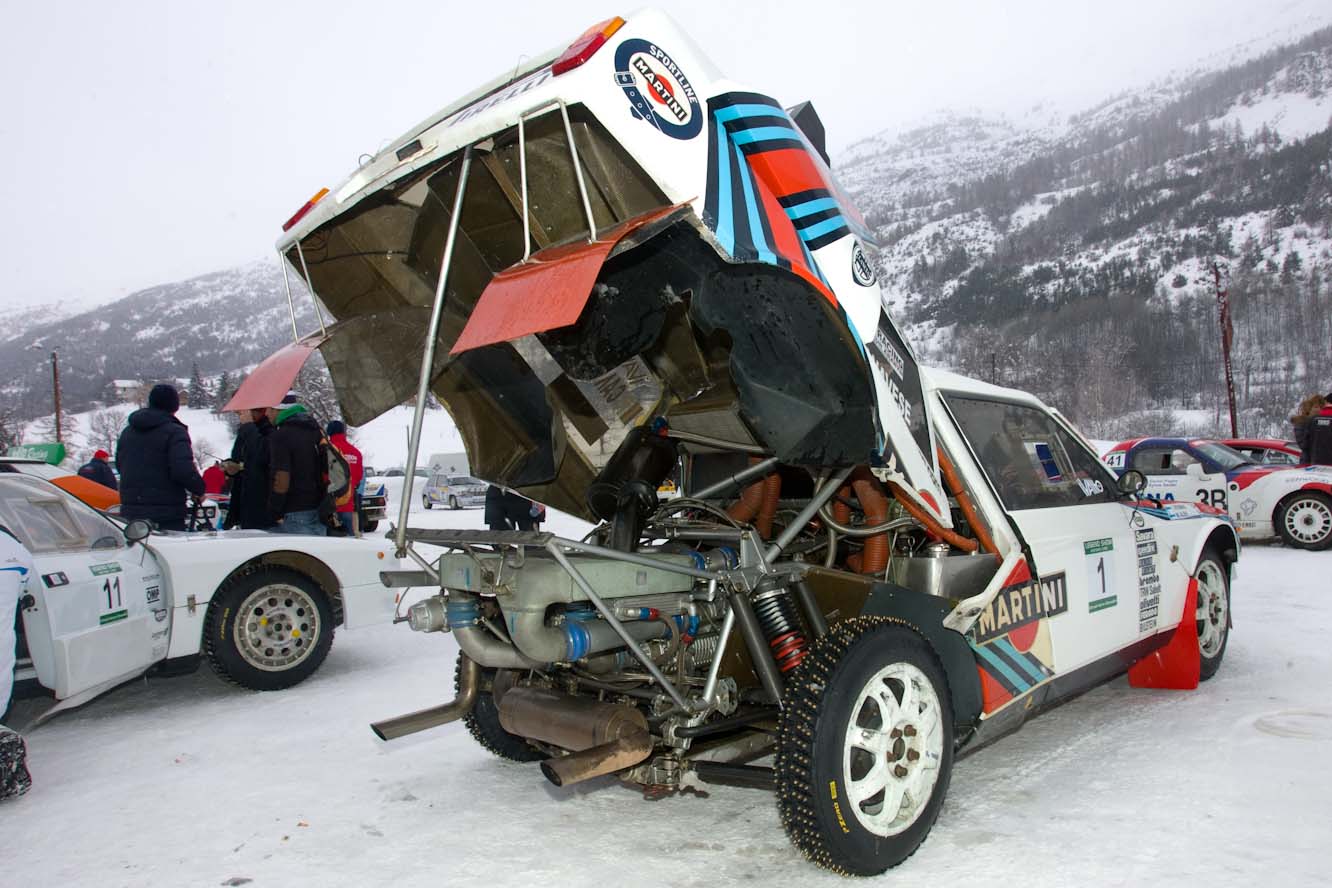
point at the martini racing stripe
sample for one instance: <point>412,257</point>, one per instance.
<point>1016,672</point>
<point>1006,676</point>
<point>1032,667</point>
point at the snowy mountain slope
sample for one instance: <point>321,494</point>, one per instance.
<point>226,320</point>
<point>999,237</point>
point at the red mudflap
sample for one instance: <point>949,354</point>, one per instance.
<point>1176,666</point>
<point>547,291</point>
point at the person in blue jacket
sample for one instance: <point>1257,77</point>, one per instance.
<point>156,463</point>
<point>99,469</point>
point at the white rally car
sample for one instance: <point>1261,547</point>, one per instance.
<point>873,566</point>
<point>108,601</point>
<point>1266,501</point>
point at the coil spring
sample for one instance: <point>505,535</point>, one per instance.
<point>777,617</point>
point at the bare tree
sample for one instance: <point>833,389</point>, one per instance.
<point>104,428</point>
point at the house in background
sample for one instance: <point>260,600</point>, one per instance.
<point>128,391</point>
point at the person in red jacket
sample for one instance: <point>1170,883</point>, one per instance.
<point>347,516</point>
<point>215,480</point>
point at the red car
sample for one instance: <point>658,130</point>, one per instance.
<point>1266,451</point>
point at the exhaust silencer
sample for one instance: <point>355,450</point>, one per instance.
<point>604,737</point>
<point>469,683</point>
<point>620,753</point>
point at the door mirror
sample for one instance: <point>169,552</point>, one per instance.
<point>137,531</point>
<point>1195,470</point>
<point>1132,482</point>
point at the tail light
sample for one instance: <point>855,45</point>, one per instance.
<point>587,45</point>
<point>309,205</point>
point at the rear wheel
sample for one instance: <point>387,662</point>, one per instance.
<point>425,501</point>
<point>1305,520</point>
<point>484,725</point>
<point>865,749</point>
<point>268,628</point>
<point>1213,614</point>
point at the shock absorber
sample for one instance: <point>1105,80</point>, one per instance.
<point>781,626</point>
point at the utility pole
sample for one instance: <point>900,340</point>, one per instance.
<point>1227,335</point>
<point>55,387</point>
<point>55,384</point>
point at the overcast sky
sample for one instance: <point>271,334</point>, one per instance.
<point>145,142</point>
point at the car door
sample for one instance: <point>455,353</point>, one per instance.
<point>1065,504</point>
<point>1206,483</point>
<point>1164,471</point>
<point>99,609</point>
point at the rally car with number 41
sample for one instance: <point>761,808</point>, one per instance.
<point>1293,503</point>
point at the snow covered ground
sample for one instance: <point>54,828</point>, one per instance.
<point>186,781</point>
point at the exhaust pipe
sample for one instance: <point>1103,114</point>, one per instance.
<point>469,683</point>
<point>623,752</point>
<point>604,737</point>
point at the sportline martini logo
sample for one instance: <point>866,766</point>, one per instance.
<point>658,91</point>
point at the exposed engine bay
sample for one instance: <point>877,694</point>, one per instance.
<point>658,648</point>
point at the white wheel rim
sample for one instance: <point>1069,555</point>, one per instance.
<point>277,626</point>
<point>1213,611</point>
<point>1308,520</point>
<point>893,749</point>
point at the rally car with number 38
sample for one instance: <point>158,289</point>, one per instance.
<point>617,267</point>
<point>110,600</point>
<point>1293,503</point>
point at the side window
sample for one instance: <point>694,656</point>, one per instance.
<point>1279,458</point>
<point>1162,460</point>
<point>1180,460</point>
<point>1031,460</point>
<point>47,520</point>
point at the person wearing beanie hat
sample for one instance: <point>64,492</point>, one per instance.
<point>296,482</point>
<point>156,462</point>
<point>99,469</point>
<point>349,505</point>
<point>164,397</point>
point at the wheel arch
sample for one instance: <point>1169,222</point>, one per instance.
<point>1224,540</point>
<point>924,614</point>
<point>304,564</point>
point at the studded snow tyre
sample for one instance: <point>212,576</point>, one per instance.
<point>865,748</point>
<point>268,628</point>
<point>484,725</point>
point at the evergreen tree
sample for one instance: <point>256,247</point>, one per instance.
<point>224,391</point>
<point>197,393</point>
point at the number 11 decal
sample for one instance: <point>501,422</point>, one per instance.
<point>110,588</point>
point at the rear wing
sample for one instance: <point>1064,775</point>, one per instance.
<point>637,239</point>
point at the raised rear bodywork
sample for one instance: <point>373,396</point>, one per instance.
<point>617,267</point>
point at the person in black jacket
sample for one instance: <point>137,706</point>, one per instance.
<point>156,463</point>
<point>99,470</point>
<point>248,470</point>
<point>1319,451</point>
<point>507,510</point>
<point>296,466</point>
